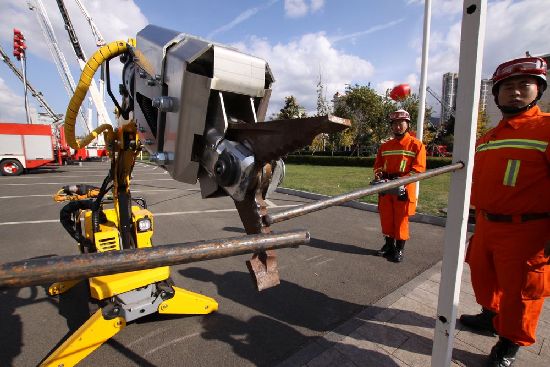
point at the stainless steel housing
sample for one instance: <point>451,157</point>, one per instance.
<point>186,89</point>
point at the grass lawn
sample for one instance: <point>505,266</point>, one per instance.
<point>329,180</point>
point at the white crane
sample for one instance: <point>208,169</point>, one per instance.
<point>100,41</point>
<point>97,97</point>
<point>95,31</point>
<point>60,62</point>
<point>444,105</point>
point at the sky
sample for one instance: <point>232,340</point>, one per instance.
<point>340,42</point>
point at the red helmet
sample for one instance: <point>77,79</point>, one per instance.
<point>400,115</point>
<point>532,66</point>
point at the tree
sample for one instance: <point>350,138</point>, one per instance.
<point>291,110</point>
<point>369,113</point>
<point>482,123</point>
<point>366,110</point>
<point>332,141</point>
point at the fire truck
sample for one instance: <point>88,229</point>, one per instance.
<point>67,155</point>
<point>24,147</point>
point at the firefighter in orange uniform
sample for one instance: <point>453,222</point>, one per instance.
<point>511,192</point>
<point>401,156</point>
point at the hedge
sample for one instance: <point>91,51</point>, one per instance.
<point>432,162</point>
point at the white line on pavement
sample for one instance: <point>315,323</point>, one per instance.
<point>326,261</point>
<point>314,257</point>
<point>30,222</point>
<point>154,214</point>
<point>133,191</point>
<point>172,342</point>
<point>86,175</point>
<point>65,183</point>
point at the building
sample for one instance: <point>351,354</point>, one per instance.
<point>484,93</point>
<point>448,95</point>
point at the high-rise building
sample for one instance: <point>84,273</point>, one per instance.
<point>448,95</point>
<point>484,92</point>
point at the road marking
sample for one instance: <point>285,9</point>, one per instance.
<point>325,261</point>
<point>270,204</point>
<point>87,175</point>
<point>51,195</point>
<point>87,182</point>
<point>148,335</point>
<point>172,342</point>
<point>314,257</point>
<point>209,211</point>
<point>30,222</point>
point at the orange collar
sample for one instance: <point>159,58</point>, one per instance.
<point>404,139</point>
<point>517,120</point>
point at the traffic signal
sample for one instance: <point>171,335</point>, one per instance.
<point>19,45</point>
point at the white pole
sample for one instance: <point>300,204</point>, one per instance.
<point>423,76</point>
<point>469,72</point>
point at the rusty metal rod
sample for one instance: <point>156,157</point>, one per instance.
<point>339,199</point>
<point>61,268</point>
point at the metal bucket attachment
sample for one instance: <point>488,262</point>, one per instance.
<point>263,269</point>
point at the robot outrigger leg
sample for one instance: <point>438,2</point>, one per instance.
<point>185,302</point>
<point>90,336</point>
<point>62,287</point>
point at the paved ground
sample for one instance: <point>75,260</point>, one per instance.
<point>398,330</point>
<point>326,287</point>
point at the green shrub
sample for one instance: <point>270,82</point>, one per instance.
<point>432,162</point>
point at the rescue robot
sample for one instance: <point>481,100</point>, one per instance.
<point>198,108</point>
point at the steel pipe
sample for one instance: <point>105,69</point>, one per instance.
<point>61,268</point>
<point>339,199</point>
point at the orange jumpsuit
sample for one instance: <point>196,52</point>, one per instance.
<point>398,158</point>
<point>511,193</point>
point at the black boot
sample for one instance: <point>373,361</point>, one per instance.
<point>388,249</point>
<point>481,322</point>
<point>398,254</point>
<point>503,353</point>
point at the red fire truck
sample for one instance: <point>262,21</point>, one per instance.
<point>67,155</point>
<point>24,146</point>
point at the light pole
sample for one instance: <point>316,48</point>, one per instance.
<point>19,48</point>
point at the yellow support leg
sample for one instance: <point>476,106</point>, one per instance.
<point>188,303</point>
<point>61,287</point>
<point>94,332</point>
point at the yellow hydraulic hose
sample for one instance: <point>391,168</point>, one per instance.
<point>106,52</point>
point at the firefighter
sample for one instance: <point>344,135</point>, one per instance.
<point>401,156</point>
<point>511,193</point>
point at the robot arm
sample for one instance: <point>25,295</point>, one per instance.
<point>198,108</point>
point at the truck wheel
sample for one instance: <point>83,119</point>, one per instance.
<point>11,167</point>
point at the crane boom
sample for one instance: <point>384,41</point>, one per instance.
<point>94,91</point>
<point>451,110</point>
<point>35,93</point>
<point>59,59</point>
<point>100,41</point>
<point>70,29</point>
